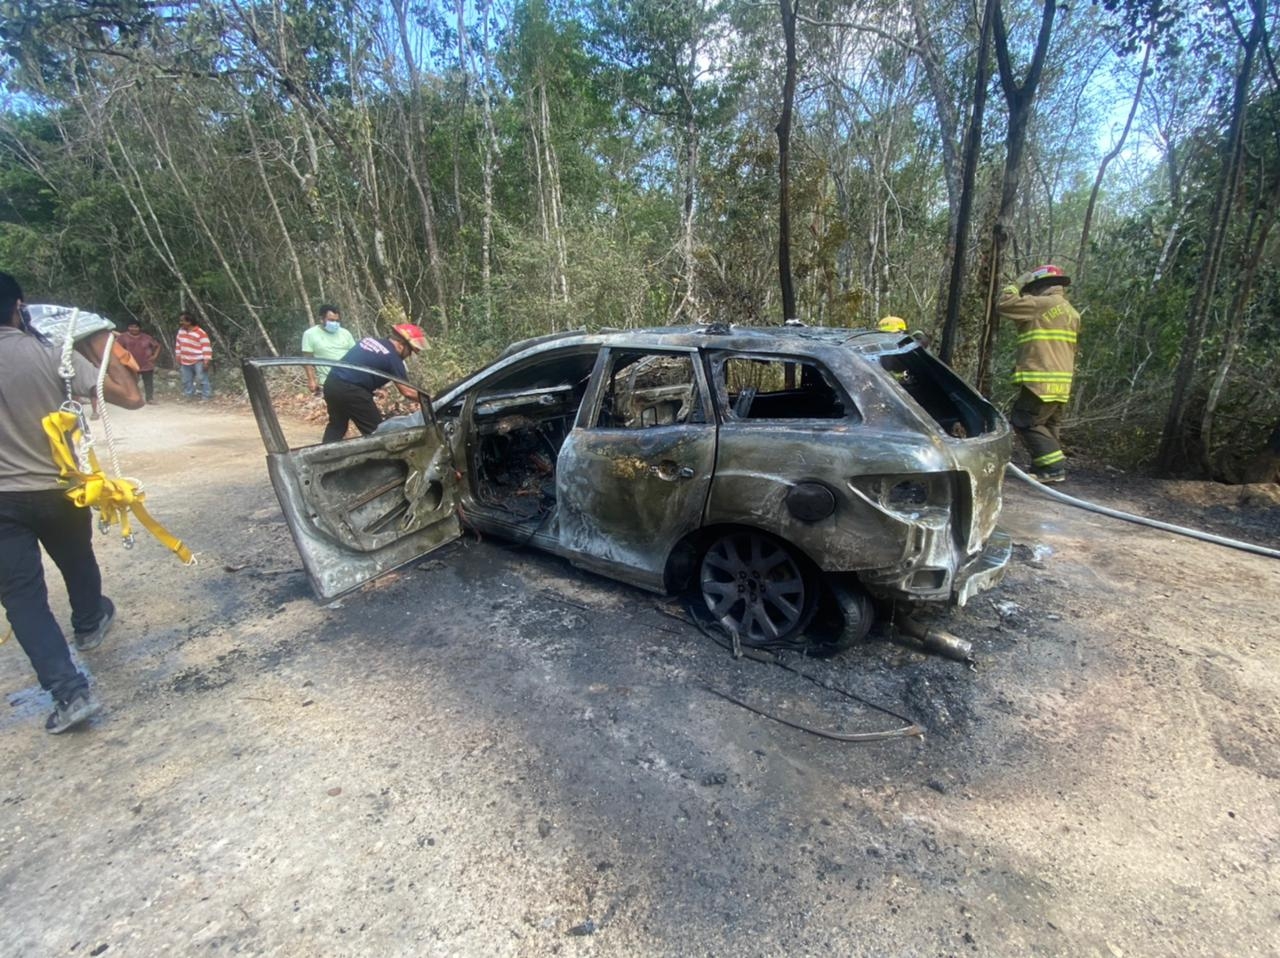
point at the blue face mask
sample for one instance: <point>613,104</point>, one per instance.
<point>332,326</point>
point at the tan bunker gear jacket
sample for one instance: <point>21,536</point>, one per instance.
<point>1048,327</point>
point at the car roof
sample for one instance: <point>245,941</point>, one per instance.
<point>788,340</point>
<point>794,338</point>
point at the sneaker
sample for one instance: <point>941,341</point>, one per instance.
<point>81,707</point>
<point>1048,476</point>
<point>85,641</point>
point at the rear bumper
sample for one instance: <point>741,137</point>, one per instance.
<point>985,571</point>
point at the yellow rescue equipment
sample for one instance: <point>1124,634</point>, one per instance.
<point>90,487</point>
<point>72,450</point>
<point>72,447</point>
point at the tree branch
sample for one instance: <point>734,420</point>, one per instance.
<point>861,28</point>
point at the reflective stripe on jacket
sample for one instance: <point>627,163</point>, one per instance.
<point>1047,330</point>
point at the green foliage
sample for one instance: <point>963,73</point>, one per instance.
<point>249,160</point>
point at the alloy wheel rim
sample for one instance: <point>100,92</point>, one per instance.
<point>753,585</point>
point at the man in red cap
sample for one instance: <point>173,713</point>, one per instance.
<point>348,393</point>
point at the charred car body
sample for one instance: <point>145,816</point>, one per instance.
<point>760,467</point>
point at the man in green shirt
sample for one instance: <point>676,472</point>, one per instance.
<point>325,340</point>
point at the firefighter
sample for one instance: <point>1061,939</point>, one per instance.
<point>1047,327</point>
<point>892,324</point>
<point>348,393</point>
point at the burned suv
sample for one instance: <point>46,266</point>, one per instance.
<point>761,468</point>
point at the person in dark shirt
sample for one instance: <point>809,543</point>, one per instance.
<point>144,349</point>
<point>348,393</point>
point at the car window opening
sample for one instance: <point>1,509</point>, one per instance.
<point>519,421</point>
<point>752,388</point>
<point>647,390</point>
<point>948,400</point>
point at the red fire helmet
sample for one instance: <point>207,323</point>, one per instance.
<point>411,334</point>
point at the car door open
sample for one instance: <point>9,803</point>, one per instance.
<point>359,507</point>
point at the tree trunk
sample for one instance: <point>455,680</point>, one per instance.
<point>463,105</point>
<point>273,62</point>
<point>943,104</point>
<point>1102,168</point>
<point>544,217</point>
<point>491,151</point>
<point>691,302</point>
<point>161,143</point>
<point>788,8</point>
<point>154,231</point>
<point>952,163</point>
<point>1176,447</point>
<point>1020,99</point>
<point>1261,220</point>
<point>360,262</point>
<point>972,149</point>
<point>1172,240</point>
<point>294,263</point>
<point>555,197</point>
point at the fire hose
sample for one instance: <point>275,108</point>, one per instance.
<point>1143,520</point>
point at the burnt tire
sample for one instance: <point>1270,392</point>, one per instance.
<point>845,616</point>
<point>757,586</point>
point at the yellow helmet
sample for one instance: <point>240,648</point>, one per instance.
<point>892,324</point>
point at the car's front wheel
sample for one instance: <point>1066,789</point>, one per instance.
<point>755,585</point>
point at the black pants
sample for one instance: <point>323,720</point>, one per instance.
<point>349,403</point>
<point>1037,422</point>
<point>148,383</point>
<point>29,520</point>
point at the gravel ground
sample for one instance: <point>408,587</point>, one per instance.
<point>493,753</point>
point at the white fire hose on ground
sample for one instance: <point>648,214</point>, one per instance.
<point>1143,520</point>
<point>932,639</point>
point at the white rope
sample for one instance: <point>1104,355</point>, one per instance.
<point>67,371</point>
<point>102,405</point>
<point>66,368</point>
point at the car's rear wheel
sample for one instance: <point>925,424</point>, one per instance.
<point>755,585</point>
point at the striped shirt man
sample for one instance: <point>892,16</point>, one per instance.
<point>192,343</point>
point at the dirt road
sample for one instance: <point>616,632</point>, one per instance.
<point>495,754</point>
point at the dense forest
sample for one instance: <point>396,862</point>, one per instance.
<point>495,169</point>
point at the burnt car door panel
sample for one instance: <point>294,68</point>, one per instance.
<point>632,476</point>
<point>360,507</point>
<point>789,426</point>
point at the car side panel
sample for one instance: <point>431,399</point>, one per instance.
<point>626,496</point>
<point>759,463</point>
